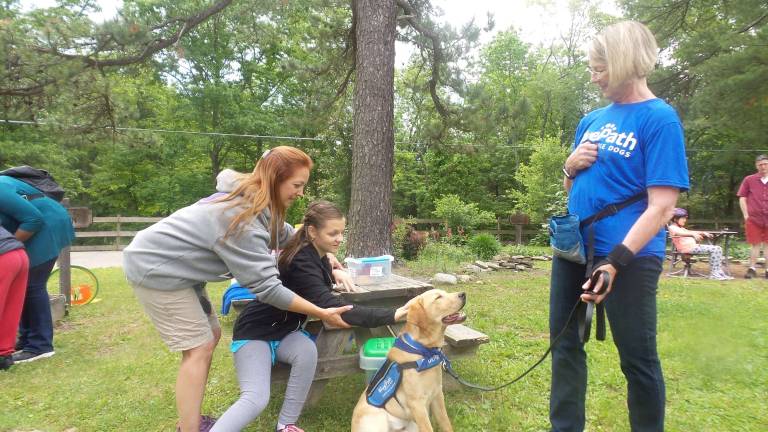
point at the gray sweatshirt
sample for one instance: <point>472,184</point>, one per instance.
<point>8,241</point>
<point>188,249</point>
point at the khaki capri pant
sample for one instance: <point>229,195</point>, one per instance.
<point>178,316</point>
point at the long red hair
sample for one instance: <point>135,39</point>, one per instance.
<point>261,189</point>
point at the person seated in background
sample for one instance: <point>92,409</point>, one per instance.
<point>687,241</point>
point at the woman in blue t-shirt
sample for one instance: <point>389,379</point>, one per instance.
<point>633,147</point>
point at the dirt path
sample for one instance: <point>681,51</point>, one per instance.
<point>98,259</point>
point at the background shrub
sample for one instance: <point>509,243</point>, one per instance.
<point>484,246</point>
<point>407,241</point>
<point>460,216</point>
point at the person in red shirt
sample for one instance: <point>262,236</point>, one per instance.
<point>753,200</point>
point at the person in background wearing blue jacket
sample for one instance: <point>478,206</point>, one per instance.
<point>631,147</point>
<point>45,228</point>
<point>264,334</point>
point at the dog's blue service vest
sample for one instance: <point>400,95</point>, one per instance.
<point>384,384</point>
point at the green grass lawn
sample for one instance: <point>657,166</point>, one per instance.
<point>111,372</point>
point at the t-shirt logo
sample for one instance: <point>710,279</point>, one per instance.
<point>608,138</point>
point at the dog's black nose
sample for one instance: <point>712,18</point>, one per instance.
<point>462,296</point>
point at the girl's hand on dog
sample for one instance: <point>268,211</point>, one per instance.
<point>589,296</point>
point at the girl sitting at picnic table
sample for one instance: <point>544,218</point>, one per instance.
<point>264,334</point>
<point>687,241</point>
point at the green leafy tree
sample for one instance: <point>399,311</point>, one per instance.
<point>542,180</point>
<point>714,72</point>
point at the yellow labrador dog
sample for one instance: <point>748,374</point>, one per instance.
<point>420,392</point>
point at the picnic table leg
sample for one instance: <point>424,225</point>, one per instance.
<point>330,343</point>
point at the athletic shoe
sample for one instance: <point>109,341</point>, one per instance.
<point>6,362</point>
<point>26,356</point>
<point>720,277</point>
<point>290,428</point>
<point>206,424</point>
<point>750,273</point>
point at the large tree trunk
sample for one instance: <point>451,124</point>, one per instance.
<point>370,210</point>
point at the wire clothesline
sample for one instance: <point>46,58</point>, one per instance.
<point>279,137</point>
<point>135,129</point>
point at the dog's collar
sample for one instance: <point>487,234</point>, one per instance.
<point>431,357</point>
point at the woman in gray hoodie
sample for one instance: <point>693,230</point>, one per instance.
<point>232,235</point>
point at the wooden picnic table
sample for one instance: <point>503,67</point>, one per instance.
<point>334,356</point>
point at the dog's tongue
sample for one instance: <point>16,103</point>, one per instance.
<point>454,317</point>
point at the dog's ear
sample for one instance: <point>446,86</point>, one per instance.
<point>416,312</point>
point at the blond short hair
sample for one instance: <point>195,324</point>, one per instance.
<point>627,49</point>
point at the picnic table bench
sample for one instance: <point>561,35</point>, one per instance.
<point>334,357</point>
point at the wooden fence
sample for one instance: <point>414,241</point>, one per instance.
<point>522,232</point>
<point>717,224</point>
<point>519,233</point>
<point>121,236</point>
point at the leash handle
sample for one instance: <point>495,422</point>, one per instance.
<point>589,309</point>
<point>593,282</point>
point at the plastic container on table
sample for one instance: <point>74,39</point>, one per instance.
<point>370,270</point>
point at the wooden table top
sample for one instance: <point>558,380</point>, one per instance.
<point>396,286</point>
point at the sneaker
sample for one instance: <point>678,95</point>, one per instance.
<point>720,277</point>
<point>750,273</point>
<point>290,428</point>
<point>6,362</point>
<point>26,356</point>
<point>206,423</point>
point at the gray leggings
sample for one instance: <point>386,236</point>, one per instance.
<point>715,258</point>
<point>253,363</point>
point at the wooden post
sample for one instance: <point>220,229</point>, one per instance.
<point>65,279</point>
<point>117,237</point>
<point>519,234</point>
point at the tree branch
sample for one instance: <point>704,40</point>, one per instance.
<point>754,23</point>
<point>153,47</point>
<point>437,54</point>
<point>92,61</point>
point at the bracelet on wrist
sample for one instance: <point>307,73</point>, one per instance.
<point>567,174</point>
<point>620,256</point>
